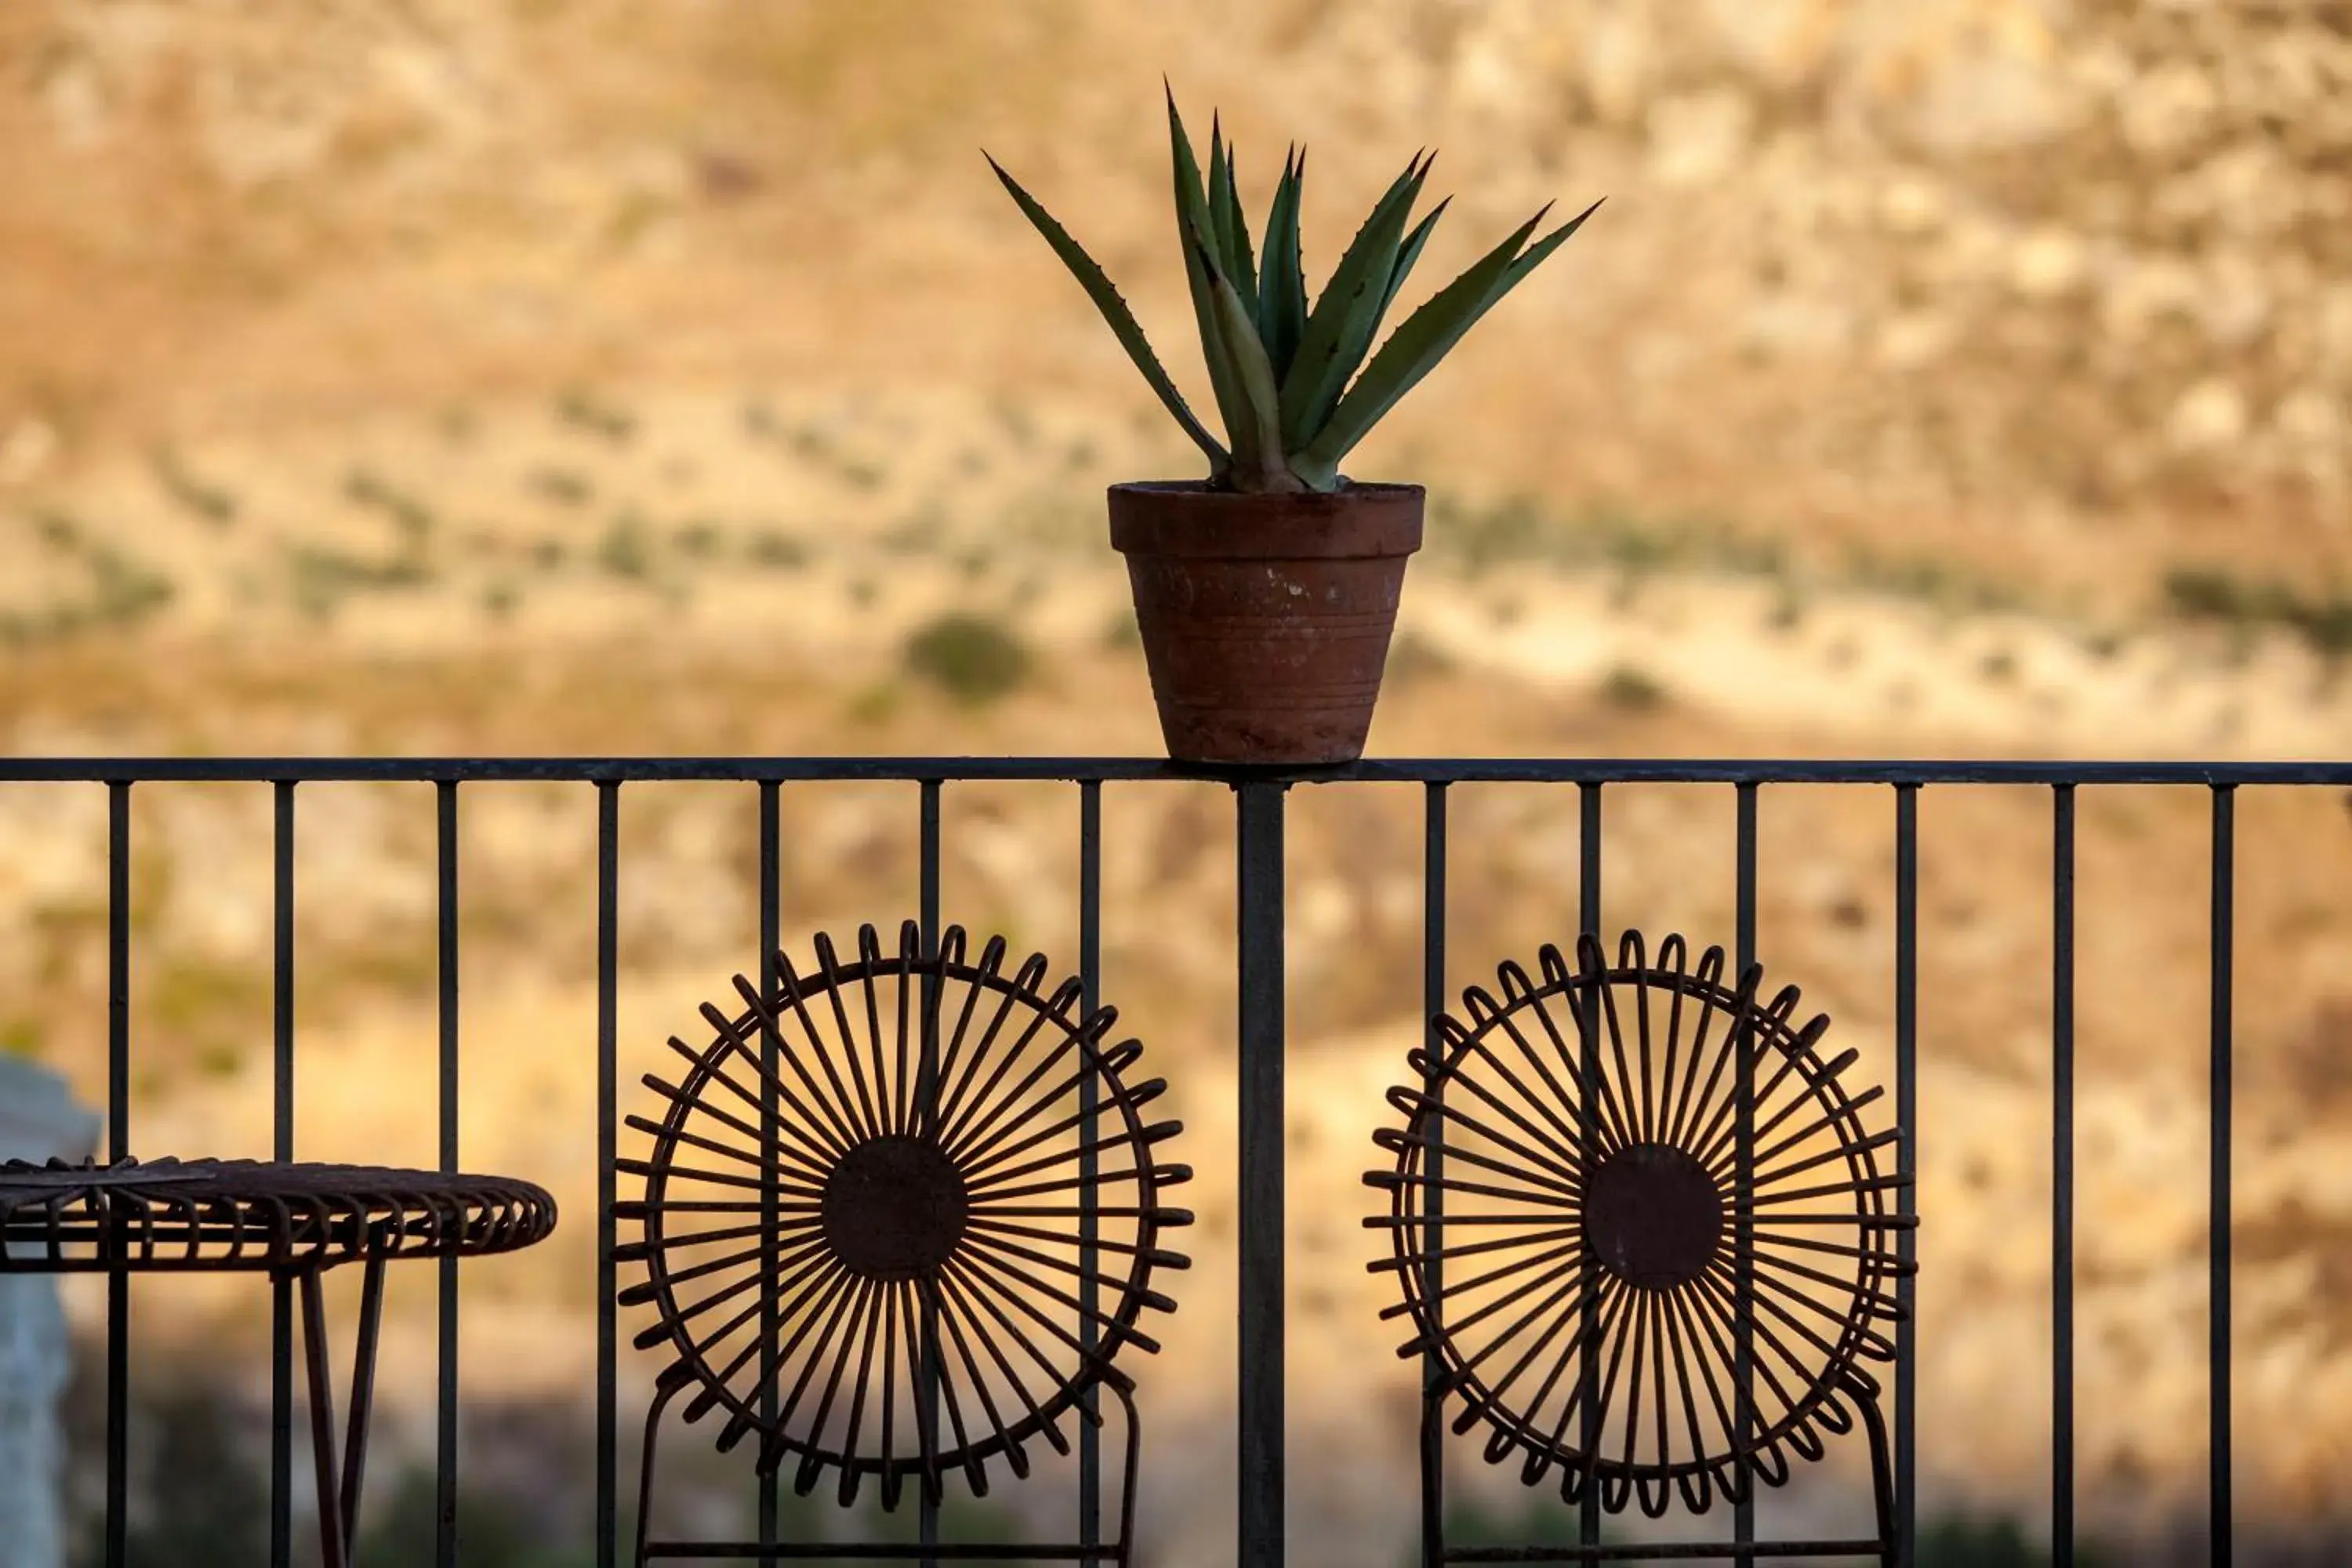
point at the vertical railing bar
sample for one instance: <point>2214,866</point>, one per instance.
<point>1432,994</point>
<point>117,969</point>
<point>1906,1112</point>
<point>1588,799</point>
<point>1260,1448</point>
<point>2223,961</point>
<point>2061,1177</point>
<point>1743,1513</point>
<point>118,1147</point>
<point>1089,1091</point>
<point>608,955</point>
<point>927,1405</point>
<point>281,1149</point>
<point>770,1130</point>
<point>928,892</point>
<point>445,1398</point>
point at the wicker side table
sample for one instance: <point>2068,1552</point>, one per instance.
<point>290,1222</point>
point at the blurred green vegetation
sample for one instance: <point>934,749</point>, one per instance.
<point>199,1492</point>
<point>123,591</point>
<point>599,416</point>
<point>975,659</point>
<point>1544,1520</point>
<point>1950,1541</point>
<point>2323,620</point>
<point>400,1526</point>
<point>213,503</point>
<point>199,1489</point>
<point>1963,1540</point>
<point>1638,544</point>
<point>1632,689</point>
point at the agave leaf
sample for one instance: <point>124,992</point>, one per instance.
<point>1410,252</point>
<point>1115,311</point>
<point>1233,229</point>
<point>1282,281</point>
<point>1226,371</point>
<point>1218,174</point>
<point>1257,457</point>
<point>1424,338</point>
<point>1535,254</point>
<point>1340,329</point>
<point>1193,215</point>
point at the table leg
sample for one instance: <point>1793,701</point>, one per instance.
<point>333,1543</point>
<point>363,1395</point>
<point>339,1496</point>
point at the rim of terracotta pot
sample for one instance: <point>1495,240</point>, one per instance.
<point>1186,517</point>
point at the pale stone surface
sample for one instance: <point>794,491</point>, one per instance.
<point>2209,415</point>
<point>1698,138</point>
<point>39,1120</point>
<point>2048,264</point>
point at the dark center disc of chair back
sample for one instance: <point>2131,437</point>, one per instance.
<point>894,1208</point>
<point>1653,1216</point>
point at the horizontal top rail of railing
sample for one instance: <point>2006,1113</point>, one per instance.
<point>1110,770</point>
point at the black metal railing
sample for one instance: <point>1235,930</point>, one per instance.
<point>1260,1030</point>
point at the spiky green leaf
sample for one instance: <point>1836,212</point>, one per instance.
<point>1409,352</point>
<point>1224,369</point>
<point>1257,455</point>
<point>1281,279</point>
<point>1229,229</point>
<point>1339,331</point>
<point>1115,311</point>
<point>1535,254</point>
<point>1217,176</point>
<point>1192,216</point>
<point>1427,337</point>
<point>1410,252</point>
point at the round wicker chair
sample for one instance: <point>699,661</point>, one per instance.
<point>901,1218</point>
<point>1615,1187</point>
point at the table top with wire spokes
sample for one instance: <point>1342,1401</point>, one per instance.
<point>265,1216</point>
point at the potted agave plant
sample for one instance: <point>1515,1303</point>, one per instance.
<point>1265,594</point>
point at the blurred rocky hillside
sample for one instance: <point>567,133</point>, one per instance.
<point>2057,283</point>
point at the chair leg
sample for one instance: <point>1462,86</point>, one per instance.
<point>646,1467</point>
<point>1433,1493</point>
<point>1881,1471</point>
<point>1128,1482</point>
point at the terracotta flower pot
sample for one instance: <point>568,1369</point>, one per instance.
<point>1265,618</point>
